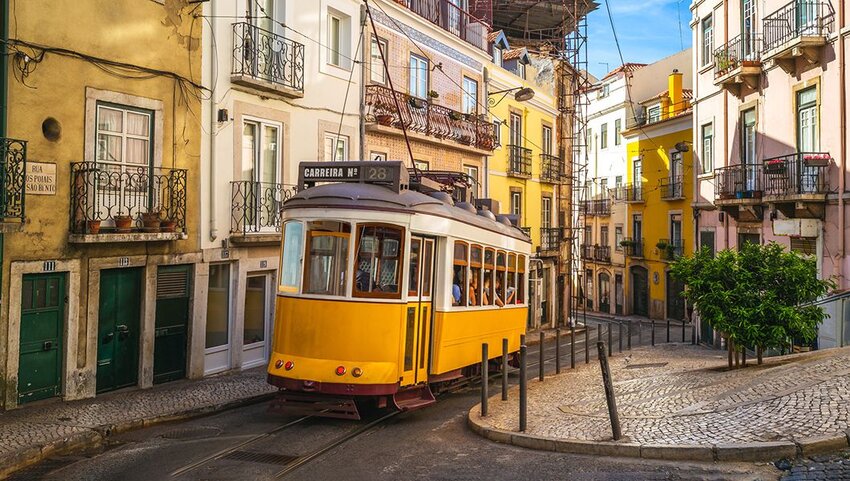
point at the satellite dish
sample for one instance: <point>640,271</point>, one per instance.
<point>524,94</point>
<point>682,147</point>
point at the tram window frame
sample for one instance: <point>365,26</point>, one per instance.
<point>413,275</point>
<point>502,273</point>
<point>463,263</point>
<point>475,270</point>
<point>340,267</point>
<point>489,269</point>
<point>381,257</point>
<point>521,270</point>
<point>511,296</point>
<point>427,267</point>
<point>287,261</point>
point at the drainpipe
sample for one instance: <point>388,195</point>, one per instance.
<point>213,127</point>
<point>842,242</point>
<point>366,45</point>
<point>4,76</point>
<point>725,119</point>
<point>485,190</point>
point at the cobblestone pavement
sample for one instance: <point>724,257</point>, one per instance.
<point>833,468</point>
<point>677,394</point>
<point>54,421</point>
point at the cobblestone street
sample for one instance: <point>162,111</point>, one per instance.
<point>833,467</point>
<point>684,395</point>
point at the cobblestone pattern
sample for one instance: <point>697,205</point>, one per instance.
<point>691,399</point>
<point>831,468</point>
<point>33,426</point>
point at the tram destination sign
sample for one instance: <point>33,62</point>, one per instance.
<point>392,174</point>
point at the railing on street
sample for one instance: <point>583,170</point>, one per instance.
<point>550,238</point>
<point>741,181</point>
<point>798,18</point>
<point>104,194</point>
<point>519,161</point>
<point>451,17</point>
<point>421,116</point>
<point>741,50</point>
<point>13,155</point>
<point>671,188</point>
<point>551,168</point>
<point>267,56</point>
<point>255,206</point>
<point>796,174</point>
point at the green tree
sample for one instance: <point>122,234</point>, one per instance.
<point>756,296</point>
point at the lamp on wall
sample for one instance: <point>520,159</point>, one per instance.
<point>683,146</point>
<point>523,94</point>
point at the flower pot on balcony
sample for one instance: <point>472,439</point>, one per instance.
<point>93,226</point>
<point>123,223</point>
<point>661,245</point>
<point>417,103</point>
<point>456,116</point>
<point>384,119</point>
<point>816,160</point>
<point>433,94</point>
<point>168,225</point>
<point>151,222</point>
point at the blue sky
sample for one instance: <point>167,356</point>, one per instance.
<point>648,30</point>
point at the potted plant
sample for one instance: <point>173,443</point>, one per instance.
<point>417,103</point>
<point>433,94</point>
<point>384,119</point>
<point>661,245</point>
<point>123,223</point>
<point>93,226</point>
<point>816,160</point>
<point>670,250</point>
<point>456,116</point>
<point>168,225</point>
<point>151,221</point>
<point>627,243</point>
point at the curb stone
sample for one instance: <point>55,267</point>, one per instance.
<point>677,453</point>
<point>95,436</point>
<point>822,444</point>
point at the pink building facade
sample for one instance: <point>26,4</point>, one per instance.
<point>770,127</point>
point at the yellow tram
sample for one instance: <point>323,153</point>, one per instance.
<point>386,291</point>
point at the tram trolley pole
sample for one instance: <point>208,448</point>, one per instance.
<point>542,340</point>
<point>484,379</point>
<point>558,350</point>
<point>573,347</point>
<point>523,389</point>
<point>504,369</point>
<point>609,392</point>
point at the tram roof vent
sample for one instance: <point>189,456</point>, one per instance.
<point>486,213</point>
<point>504,220</point>
<point>443,196</point>
<point>467,207</point>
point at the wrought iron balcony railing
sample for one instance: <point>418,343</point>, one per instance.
<point>632,247</point>
<point>671,188</point>
<point>741,50</point>
<point>452,18</point>
<point>13,179</point>
<point>266,56</point>
<point>799,18</point>
<point>519,161</point>
<point>550,238</point>
<point>670,250</point>
<point>586,251</point>
<point>629,192</point>
<point>107,198</point>
<point>796,174</point>
<point>551,168</point>
<point>255,206</point>
<point>601,207</point>
<point>742,181</point>
<point>421,116</point>
<point>602,254</point>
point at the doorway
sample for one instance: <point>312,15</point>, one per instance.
<point>675,301</point>
<point>417,340</point>
<point>172,323</point>
<point>257,319</point>
<point>118,322</point>
<point>604,293</point>
<point>218,328</point>
<point>618,294</point>
<point>43,301</point>
<point>640,291</point>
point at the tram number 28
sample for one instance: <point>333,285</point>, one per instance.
<point>377,173</point>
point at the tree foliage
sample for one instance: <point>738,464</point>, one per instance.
<point>756,296</point>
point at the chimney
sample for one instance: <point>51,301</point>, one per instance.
<point>674,91</point>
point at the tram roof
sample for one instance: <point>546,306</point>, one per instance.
<point>375,197</point>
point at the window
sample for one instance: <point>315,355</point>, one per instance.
<point>589,139</point>
<point>476,256</point>
<point>603,236</point>
<point>470,96</point>
<point>520,288</point>
<point>603,187</point>
<point>546,212</point>
<point>501,277</point>
<point>707,148</point>
<point>807,120</point>
<point>604,91</point>
<point>618,127</point>
<point>512,278</point>
<point>637,172</point>
<point>520,69</point>
<point>707,40</point>
<point>325,269</point>
<point>336,147</point>
<point>339,39</point>
<point>654,114</point>
<point>706,240</point>
<point>378,72</point>
<point>588,235</point>
<point>290,262</point>
<point>748,136</point>
<point>807,246</point>
<point>547,140</point>
<point>380,250</point>
<point>218,306</point>
<point>618,237</point>
<point>379,156</point>
<point>676,229</point>
<point>460,264</point>
<point>497,129</point>
<point>588,291</point>
<point>516,204</point>
<point>421,164</point>
<point>418,76</point>
<point>744,237</point>
<point>472,172</point>
<point>637,227</point>
<point>497,55</point>
<point>516,129</point>
<point>603,137</point>
<point>124,137</point>
<point>618,181</point>
<point>488,287</point>
<point>260,152</point>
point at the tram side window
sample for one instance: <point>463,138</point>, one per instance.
<point>520,298</point>
<point>459,284</point>
<point>426,266</point>
<point>327,258</point>
<point>413,268</point>
<point>378,262</point>
<point>511,296</point>
<point>290,261</point>
<point>501,272</point>
<point>475,258</point>
<point>487,298</point>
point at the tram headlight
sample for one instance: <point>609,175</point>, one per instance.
<point>356,372</point>
<point>289,365</point>
<point>278,364</point>
<point>340,370</point>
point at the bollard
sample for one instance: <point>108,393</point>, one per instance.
<point>558,351</point>
<point>683,331</point>
<point>523,388</point>
<point>653,332</point>
<point>586,343</point>
<point>522,340</point>
<point>573,347</point>
<point>504,369</point>
<point>484,379</point>
<point>609,392</point>
<point>629,338</point>
<point>668,330</point>
<point>620,336</point>
<point>640,333</point>
<point>610,344</point>
<point>541,356</point>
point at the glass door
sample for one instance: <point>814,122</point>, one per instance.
<point>807,140</point>
<point>417,335</point>
<point>257,320</point>
<point>217,347</point>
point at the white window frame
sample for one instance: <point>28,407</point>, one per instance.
<point>653,114</point>
<point>497,55</point>
<point>416,69</point>
<point>472,171</point>
<point>470,95</point>
<point>337,139</point>
<point>516,204</point>
<point>422,164</point>
<point>707,148</point>
<point>618,127</point>
<point>338,49</point>
<point>707,39</point>
<point>603,136</point>
<point>546,211</point>
<point>260,123</point>
<point>377,72</point>
<point>378,156</point>
<point>547,140</point>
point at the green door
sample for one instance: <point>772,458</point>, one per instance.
<point>42,318</point>
<point>118,328</point>
<point>172,323</point>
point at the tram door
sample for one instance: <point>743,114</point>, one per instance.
<point>418,315</point>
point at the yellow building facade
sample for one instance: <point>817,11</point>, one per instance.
<point>659,212</point>
<point>525,171</point>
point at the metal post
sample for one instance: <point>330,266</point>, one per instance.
<point>484,379</point>
<point>523,388</point>
<point>542,339</point>
<point>668,330</point>
<point>558,351</point>
<point>693,333</point>
<point>683,330</point>
<point>609,392</point>
<point>573,347</point>
<point>504,369</point>
<point>586,344</point>
<point>620,336</point>
<point>610,344</point>
<point>653,332</point>
<point>522,340</point>
<point>629,338</point>
<point>640,333</point>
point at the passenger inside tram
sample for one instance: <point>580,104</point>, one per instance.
<point>473,289</point>
<point>457,292</point>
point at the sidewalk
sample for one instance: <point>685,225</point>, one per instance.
<point>677,401</point>
<point>32,433</point>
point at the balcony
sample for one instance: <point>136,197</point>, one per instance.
<point>670,250</point>
<point>632,247</point>
<point>451,18</point>
<point>798,30</point>
<point>430,122</point>
<point>519,161</point>
<point>122,203</point>
<point>738,191</point>
<point>13,181</point>
<point>550,238</point>
<point>265,61</point>
<point>630,193</point>
<point>672,188</point>
<point>255,211</point>
<point>797,183</point>
<point>586,252</point>
<point>738,62</point>
<point>551,169</point>
<point>602,254</point>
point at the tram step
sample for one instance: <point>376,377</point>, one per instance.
<point>305,404</point>
<point>414,398</point>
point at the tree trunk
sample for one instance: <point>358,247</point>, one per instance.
<point>744,356</point>
<point>760,354</point>
<point>729,349</point>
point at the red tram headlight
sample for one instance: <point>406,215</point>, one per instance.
<point>289,365</point>
<point>356,372</point>
<point>278,364</point>
<point>340,370</point>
